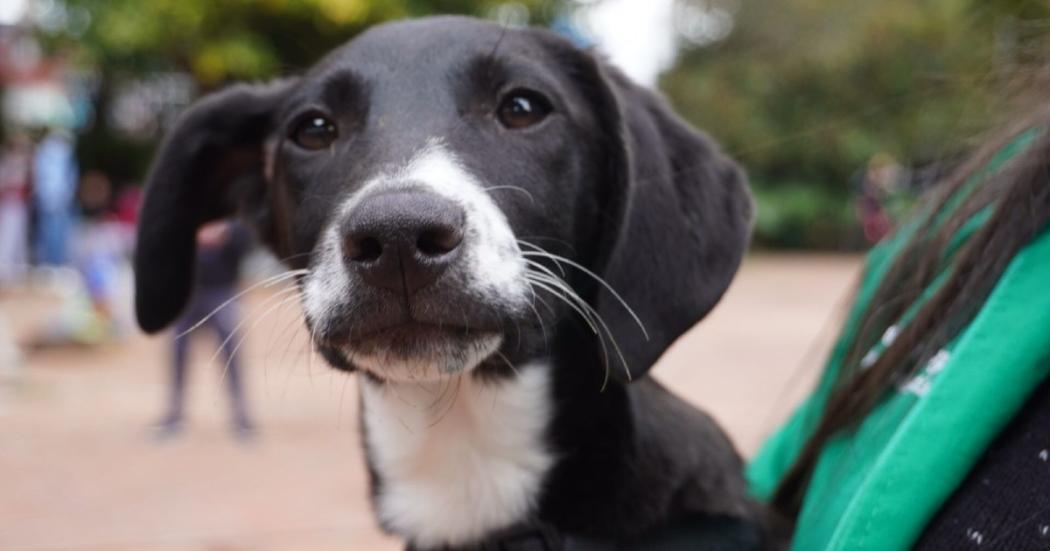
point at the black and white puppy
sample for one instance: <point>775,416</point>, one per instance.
<point>500,233</point>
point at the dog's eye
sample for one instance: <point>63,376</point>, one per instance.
<point>523,108</point>
<point>314,132</point>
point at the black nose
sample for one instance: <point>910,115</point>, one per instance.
<point>403,240</point>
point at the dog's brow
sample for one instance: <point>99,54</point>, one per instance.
<point>486,71</point>
<point>483,70</point>
<point>342,87</point>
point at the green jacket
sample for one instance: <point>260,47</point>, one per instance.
<point>876,487</point>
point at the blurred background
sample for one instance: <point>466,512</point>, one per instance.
<point>842,111</point>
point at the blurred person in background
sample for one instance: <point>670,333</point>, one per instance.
<point>930,426</point>
<point>878,187</point>
<point>100,250</point>
<point>15,169</point>
<point>54,189</point>
<point>221,246</point>
<point>96,311</point>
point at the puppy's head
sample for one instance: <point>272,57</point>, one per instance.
<point>455,194</point>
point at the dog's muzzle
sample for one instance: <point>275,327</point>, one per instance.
<point>417,275</point>
<point>410,310</point>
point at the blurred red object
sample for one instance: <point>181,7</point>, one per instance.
<point>127,205</point>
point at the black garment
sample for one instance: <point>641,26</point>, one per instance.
<point>706,534</point>
<point>1004,503</point>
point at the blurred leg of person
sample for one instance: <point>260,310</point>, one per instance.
<point>52,238</point>
<point>54,185</point>
<point>172,422</point>
<point>13,241</point>
<point>224,323</point>
<point>220,247</point>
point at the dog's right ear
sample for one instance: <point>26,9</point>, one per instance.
<point>215,147</point>
<point>676,215</point>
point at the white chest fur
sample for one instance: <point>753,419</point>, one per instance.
<point>453,471</point>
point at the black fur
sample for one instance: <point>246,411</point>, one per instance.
<point>616,182</point>
<point>215,147</point>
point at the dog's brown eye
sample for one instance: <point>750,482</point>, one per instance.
<point>314,132</point>
<point>522,109</point>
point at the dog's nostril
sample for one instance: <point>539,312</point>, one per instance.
<point>438,241</point>
<point>364,249</point>
<point>402,240</point>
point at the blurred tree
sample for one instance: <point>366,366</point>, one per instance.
<point>218,41</point>
<point>802,92</point>
<point>805,92</point>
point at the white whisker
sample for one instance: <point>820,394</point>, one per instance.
<point>452,402</point>
<point>280,297</point>
<point>507,361</point>
<point>545,269</point>
<point>581,306</point>
<point>586,317</point>
<point>537,248</point>
<point>596,277</point>
<point>273,339</point>
<point>514,188</point>
<point>268,282</point>
<point>539,318</point>
<point>555,292</point>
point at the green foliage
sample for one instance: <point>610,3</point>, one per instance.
<point>809,90</point>
<point>221,40</point>
<point>798,215</point>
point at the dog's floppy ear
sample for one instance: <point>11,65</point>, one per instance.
<point>215,148</point>
<point>679,229</point>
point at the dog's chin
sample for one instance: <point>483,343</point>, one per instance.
<point>421,352</point>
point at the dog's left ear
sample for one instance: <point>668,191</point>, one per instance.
<point>214,152</point>
<point>678,223</point>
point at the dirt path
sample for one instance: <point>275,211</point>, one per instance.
<point>78,469</point>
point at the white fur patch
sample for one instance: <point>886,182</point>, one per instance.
<point>443,361</point>
<point>458,463</point>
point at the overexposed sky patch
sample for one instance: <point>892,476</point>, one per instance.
<point>637,35</point>
<point>12,11</point>
<point>643,37</point>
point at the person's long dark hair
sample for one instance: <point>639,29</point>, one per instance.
<point>1018,196</point>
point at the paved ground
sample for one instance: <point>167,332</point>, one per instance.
<point>79,471</point>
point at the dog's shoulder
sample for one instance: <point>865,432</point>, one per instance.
<point>690,453</point>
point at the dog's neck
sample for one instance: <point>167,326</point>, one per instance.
<point>458,460</point>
